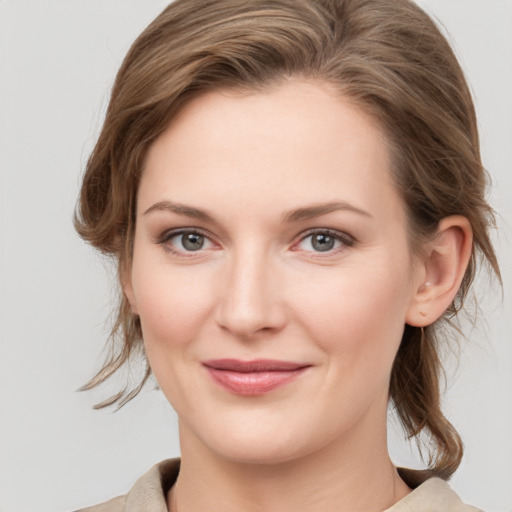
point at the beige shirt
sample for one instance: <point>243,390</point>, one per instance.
<point>149,493</point>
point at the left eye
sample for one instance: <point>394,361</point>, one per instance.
<point>322,241</point>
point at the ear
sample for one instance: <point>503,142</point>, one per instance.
<point>126,284</point>
<point>442,271</point>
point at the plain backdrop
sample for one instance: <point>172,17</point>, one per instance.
<point>57,63</point>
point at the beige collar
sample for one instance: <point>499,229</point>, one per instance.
<point>148,494</point>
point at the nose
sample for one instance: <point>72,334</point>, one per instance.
<point>252,297</point>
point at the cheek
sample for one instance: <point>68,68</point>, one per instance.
<point>173,310</point>
<point>172,303</point>
<point>359,313</point>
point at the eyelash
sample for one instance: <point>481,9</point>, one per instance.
<point>345,239</point>
<point>168,235</point>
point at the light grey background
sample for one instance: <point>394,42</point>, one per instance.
<point>57,63</point>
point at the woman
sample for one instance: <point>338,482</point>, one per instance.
<point>294,193</point>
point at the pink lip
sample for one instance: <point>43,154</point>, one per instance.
<point>252,378</point>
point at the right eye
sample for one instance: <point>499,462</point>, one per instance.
<point>185,241</point>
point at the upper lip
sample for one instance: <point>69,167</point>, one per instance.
<point>257,365</point>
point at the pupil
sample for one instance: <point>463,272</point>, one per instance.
<point>323,242</point>
<point>193,242</point>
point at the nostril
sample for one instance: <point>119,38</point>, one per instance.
<point>247,321</point>
<point>250,299</point>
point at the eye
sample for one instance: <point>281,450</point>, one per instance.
<point>324,241</point>
<point>185,241</point>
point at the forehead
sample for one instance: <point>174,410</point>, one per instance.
<point>301,141</point>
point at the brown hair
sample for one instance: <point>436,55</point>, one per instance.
<point>389,58</point>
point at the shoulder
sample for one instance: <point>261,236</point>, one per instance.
<point>148,493</point>
<point>429,495</point>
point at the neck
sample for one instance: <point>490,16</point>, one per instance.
<point>351,474</point>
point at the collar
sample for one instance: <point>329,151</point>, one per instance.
<point>429,493</point>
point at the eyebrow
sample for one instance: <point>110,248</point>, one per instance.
<point>181,209</point>
<point>316,210</point>
<point>295,215</point>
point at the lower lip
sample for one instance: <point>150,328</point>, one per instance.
<point>253,383</point>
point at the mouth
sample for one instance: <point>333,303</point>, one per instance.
<point>253,378</point>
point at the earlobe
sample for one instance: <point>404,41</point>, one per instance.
<point>444,268</point>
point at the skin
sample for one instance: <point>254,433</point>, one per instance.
<point>260,289</point>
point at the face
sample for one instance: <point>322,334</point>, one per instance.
<point>271,272</point>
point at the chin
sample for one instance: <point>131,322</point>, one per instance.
<point>251,439</point>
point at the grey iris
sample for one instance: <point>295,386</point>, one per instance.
<point>192,241</point>
<point>322,242</point>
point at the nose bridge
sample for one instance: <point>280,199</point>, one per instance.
<point>251,301</point>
